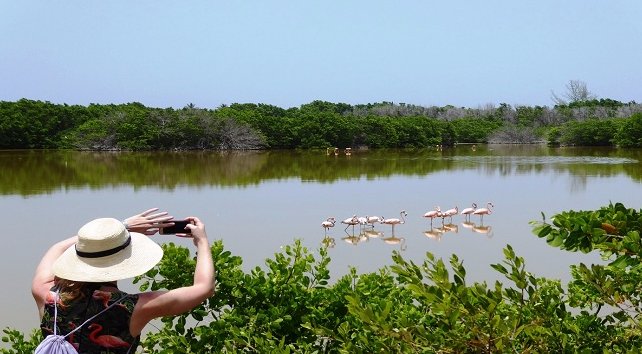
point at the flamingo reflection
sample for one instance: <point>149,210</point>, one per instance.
<point>485,230</point>
<point>328,242</point>
<point>393,240</point>
<point>373,233</point>
<point>435,234</point>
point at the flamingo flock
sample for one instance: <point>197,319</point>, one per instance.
<point>367,224</point>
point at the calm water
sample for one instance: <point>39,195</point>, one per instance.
<point>257,202</point>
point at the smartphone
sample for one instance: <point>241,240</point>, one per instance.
<point>178,228</point>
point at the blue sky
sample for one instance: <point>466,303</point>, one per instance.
<point>288,53</point>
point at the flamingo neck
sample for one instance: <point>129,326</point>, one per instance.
<point>94,333</point>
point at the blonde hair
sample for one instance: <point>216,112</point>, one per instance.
<point>69,290</point>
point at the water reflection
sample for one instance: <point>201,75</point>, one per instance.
<point>484,229</point>
<point>328,242</point>
<point>394,240</point>
<point>41,172</point>
<point>373,233</point>
<point>434,234</point>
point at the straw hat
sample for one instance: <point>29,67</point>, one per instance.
<point>106,251</point>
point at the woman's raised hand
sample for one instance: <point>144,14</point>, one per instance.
<point>149,221</point>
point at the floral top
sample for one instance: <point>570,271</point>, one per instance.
<point>106,334</point>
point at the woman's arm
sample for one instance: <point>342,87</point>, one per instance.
<point>173,302</point>
<point>44,278</point>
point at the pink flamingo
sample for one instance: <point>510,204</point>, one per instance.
<point>363,221</point>
<point>374,219</point>
<point>469,211</point>
<point>327,224</point>
<point>450,213</point>
<point>104,340</point>
<point>395,221</point>
<point>433,214</point>
<point>350,221</point>
<point>104,296</point>
<point>484,211</point>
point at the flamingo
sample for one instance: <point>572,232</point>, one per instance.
<point>374,219</point>
<point>327,224</point>
<point>469,211</point>
<point>363,221</point>
<point>433,214</point>
<point>395,221</point>
<point>104,340</point>
<point>104,297</point>
<point>350,221</point>
<point>484,211</point>
<point>450,213</point>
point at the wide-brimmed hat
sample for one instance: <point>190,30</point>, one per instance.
<point>106,251</point>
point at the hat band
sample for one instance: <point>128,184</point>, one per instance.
<point>104,253</point>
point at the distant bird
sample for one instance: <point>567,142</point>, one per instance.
<point>363,221</point>
<point>350,221</point>
<point>469,211</point>
<point>484,211</point>
<point>395,221</point>
<point>327,224</point>
<point>374,219</point>
<point>450,213</point>
<point>433,214</point>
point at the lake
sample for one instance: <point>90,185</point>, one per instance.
<point>257,202</point>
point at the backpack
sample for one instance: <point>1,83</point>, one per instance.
<point>57,343</point>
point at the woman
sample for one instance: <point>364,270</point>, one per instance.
<point>77,279</point>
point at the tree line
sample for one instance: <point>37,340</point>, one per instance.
<point>30,124</point>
